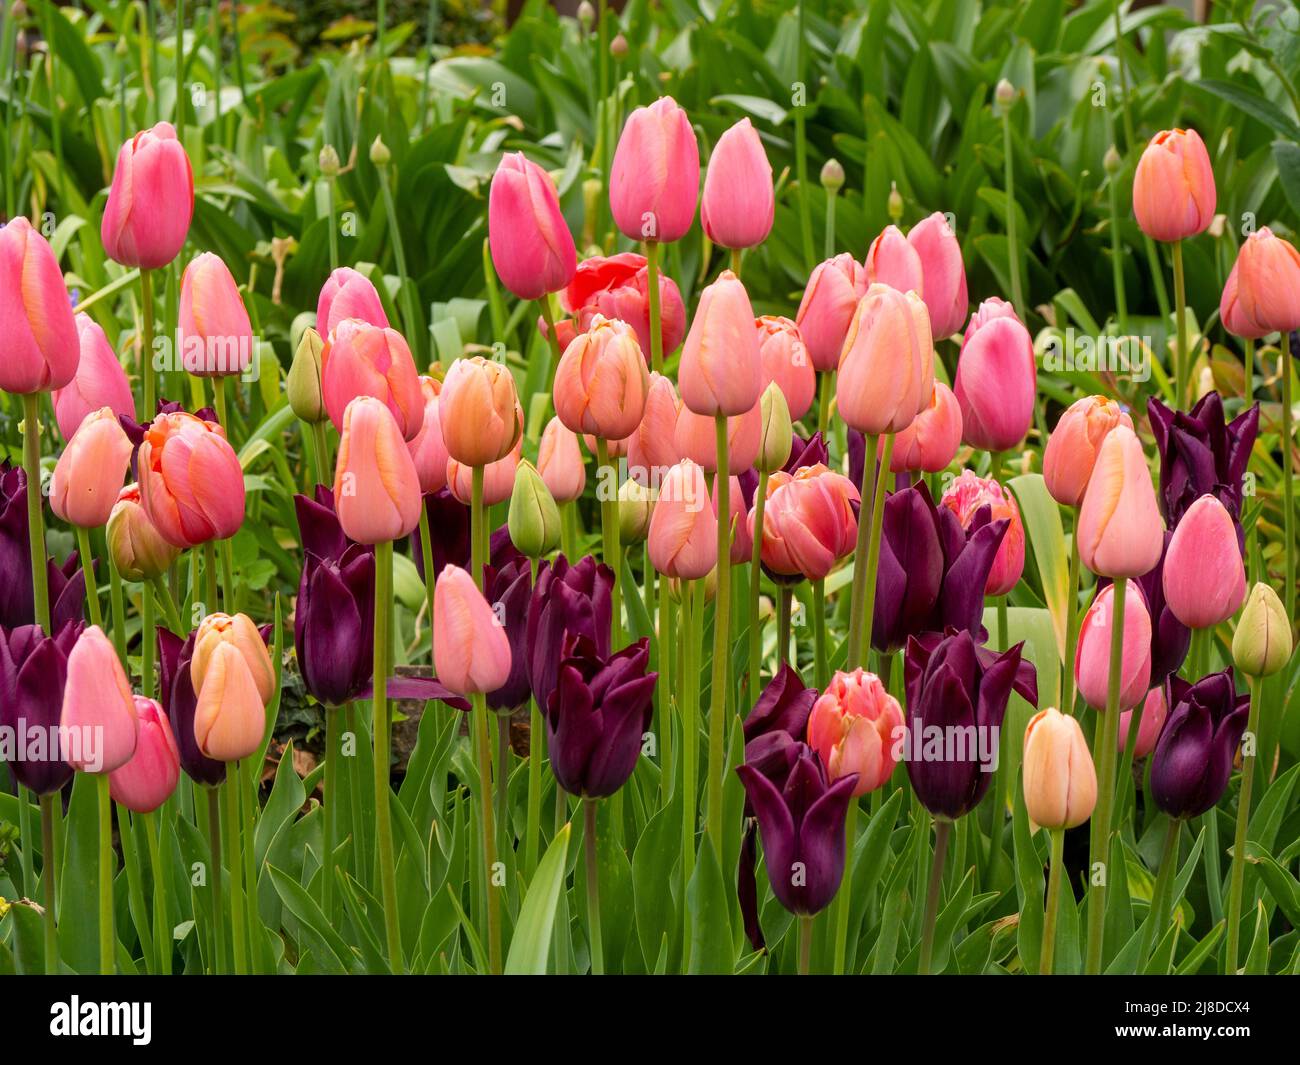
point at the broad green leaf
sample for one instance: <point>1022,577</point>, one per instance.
<point>531,946</point>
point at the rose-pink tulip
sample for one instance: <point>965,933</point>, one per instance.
<point>1072,448</point>
<point>98,719</point>
<point>886,373</point>
<point>428,452</point>
<point>151,201</point>
<point>348,294</point>
<point>654,181</point>
<point>149,778</point>
<point>229,716</point>
<point>100,381</point>
<point>853,727</point>
<point>826,310</point>
<point>696,438</point>
<point>1154,712</point>
<point>808,522</point>
<point>360,359</point>
<point>1173,186</point>
<point>40,335</point>
<point>1262,294</point>
<point>1120,533</point>
<point>469,640</point>
<point>943,274</point>
<point>478,409</point>
<point>1060,781</point>
<point>965,497</point>
<point>498,478</point>
<point>652,448</point>
<point>376,489</point>
<point>720,371</point>
<point>997,378</point>
<point>683,538</point>
<point>1092,658</point>
<point>602,381</point>
<point>532,248</point>
<point>786,361</point>
<point>891,260</point>
<point>1204,577</point>
<point>739,202</point>
<point>214,333</point>
<point>560,463</point>
<point>89,473</point>
<point>191,482</point>
<point>930,443</point>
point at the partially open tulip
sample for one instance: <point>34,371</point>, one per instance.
<point>826,309</point>
<point>1154,712</point>
<point>602,381</point>
<point>33,671</point>
<point>652,447</point>
<point>100,381</point>
<point>560,462</point>
<point>721,371</point>
<point>618,287</point>
<point>532,248</point>
<point>151,201</point>
<point>88,475</point>
<point>1072,448</point>
<point>943,274</point>
<point>213,330</point>
<point>41,345</point>
<point>240,632</point>
<point>854,727</point>
<point>1060,781</point>
<point>1092,657</point>
<point>786,362</point>
<point>654,181</point>
<point>229,716</point>
<point>149,778</point>
<point>376,488</point>
<point>683,540</point>
<point>1262,293</point>
<point>469,642</point>
<point>97,726</point>
<point>1120,533</point>
<point>1173,186</point>
<point>1199,454</point>
<point>348,294</point>
<point>191,482</point>
<point>695,437</point>
<point>996,378</point>
<point>930,443</point>
<point>138,551</point>
<point>428,452</point>
<point>1192,762</point>
<point>892,260</point>
<point>967,494</point>
<point>886,371</point>
<point>1204,576</point>
<point>479,411</point>
<point>1262,643</point>
<point>498,478</point>
<point>808,522</point>
<point>364,360</point>
<point>739,202</point>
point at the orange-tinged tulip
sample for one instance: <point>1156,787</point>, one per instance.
<point>786,361</point>
<point>1203,573</point>
<point>891,260</point>
<point>191,482</point>
<point>854,726</point>
<point>428,452</point>
<point>1173,187</point>
<point>229,717</point>
<point>89,473</point>
<point>100,381</point>
<point>479,411</point>
<point>40,335</point>
<point>721,372</point>
<point>808,522</point>
<point>886,371</point>
<point>98,721</point>
<point>602,381</point>
<point>1092,659</point>
<point>360,359</point>
<point>683,540</point>
<point>696,438</point>
<point>240,632</point>
<point>213,330</point>
<point>149,778</point>
<point>560,462</point>
<point>1060,782</point>
<point>652,447</point>
<point>151,201</point>
<point>1120,533</point>
<point>498,478</point>
<point>930,443</point>
<point>1072,448</point>
<point>1154,712</point>
<point>470,643</point>
<point>826,310</point>
<point>138,550</point>
<point>376,488</point>
<point>943,274</point>
<point>1262,294</point>
<point>739,201</point>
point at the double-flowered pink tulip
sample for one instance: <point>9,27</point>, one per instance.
<point>532,248</point>
<point>966,496</point>
<point>854,727</point>
<point>151,201</point>
<point>808,522</point>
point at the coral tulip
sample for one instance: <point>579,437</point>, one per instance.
<point>147,781</point>
<point>1092,657</point>
<point>892,260</point>
<point>532,248</point>
<point>786,361</point>
<point>240,632</point>
<point>214,335</point>
<point>88,475</point>
<point>98,722</point>
<point>739,202</point>
<point>1119,532</point>
<point>498,478</point>
<point>968,494</point>
<point>1071,451</point>
<point>809,523</point>
<point>41,345</point>
<point>930,443</point>
<point>854,727</point>
<point>1262,293</point>
<point>886,371</point>
<point>721,371</point>
<point>1173,186</point>
<point>996,378</point>
<point>229,716</point>
<point>695,437</point>
<point>376,487</point>
<point>654,181</point>
<point>826,309</point>
<point>1060,781</point>
<point>479,411</point>
<point>683,540</point>
<point>602,381</point>
<point>469,642</point>
<point>559,461</point>
<point>191,482</point>
<point>151,201</point>
<point>1204,576</point>
<point>428,452</point>
<point>100,381</point>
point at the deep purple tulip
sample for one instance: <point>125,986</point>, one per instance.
<point>179,700</point>
<point>449,527</point>
<point>597,714</point>
<point>318,525</point>
<point>955,684</point>
<point>932,571</point>
<point>1200,454</point>
<point>66,583</point>
<point>1193,758</point>
<point>509,589</point>
<point>33,671</point>
<point>803,452</point>
<point>802,825</point>
<point>567,600</point>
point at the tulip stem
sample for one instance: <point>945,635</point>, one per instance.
<point>230,790</point>
<point>552,338</point>
<point>1013,243</point>
<point>1108,733</point>
<point>608,491</point>
<point>1289,473</point>
<point>321,453</point>
<point>1057,836</point>
<point>593,888</point>
<point>426,553</point>
<point>146,344</point>
<point>334,229</point>
<point>88,566</point>
<point>1248,364</point>
<point>825,386</point>
<point>1237,883</point>
<point>331,821</point>
<point>48,866</point>
<point>935,889</point>
<point>666,687</point>
<point>1181,369</point>
<point>162,932</point>
<point>755,582</point>
<point>1071,622</point>
<point>783,609</point>
<point>503,778</point>
<point>405,287</point>
<point>1158,915</point>
<point>35,511</point>
<point>822,664</point>
<point>119,608</point>
<point>652,293</point>
<point>533,824</point>
<point>805,944</point>
<point>382,725</point>
<point>854,652</point>
<point>873,549</point>
<point>801,143</point>
<point>218,959</point>
<point>164,598</point>
<point>843,903</point>
<point>1117,253</point>
<point>692,609</point>
<point>106,936</point>
<point>721,637</point>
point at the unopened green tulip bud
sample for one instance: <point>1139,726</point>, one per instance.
<point>1112,160</point>
<point>534,519</point>
<point>1004,96</point>
<point>618,47</point>
<point>1262,643</point>
<point>328,161</point>
<point>304,382</point>
<point>832,175</point>
<point>379,153</point>
<point>635,505</point>
<point>778,434</point>
<point>895,205</point>
<point>586,14</point>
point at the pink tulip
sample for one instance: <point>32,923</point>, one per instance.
<point>970,493</point>
<point>479,411</point>
<point>618,287</point>
<point>1154,713</point>
<point>560,463</point>
<point>137,548</point>
<point>41,349</point>
<point>98,723</point>
<point>891,260</point>
<point>720,371</point>
<point>1173,187</point>
<point>1071,451</point>
<point>191,482</point>
<point>348,294</point>
<point>943,274</point>
<point>213,330</point>
<point>89,473</point>
<point>997,378</point>
<point>229,717</point>
<point>1120,533</point>
<point>696,438</point>
<point>100,381</point>
<point>1092,658</point>
<point>853,728</point>
<point>683,539</point>
<point>151,201</point>
<point>739,202</point>
<point>1204,577</point>
<point>1060,781</point>
<point>826,310</point>
<point>469,640</point>
<point>149,778</point>
<point>786,361</point>
<point>741,538</point>
<point>428,452</point>
<point>364,360</point>
<point>652,448</point>
<point>376,489</point>
<point>1262,294</point>
<point>886,374</point>
<point>498,478</point>
<point>930,443</point>
<point>532,248</point>
<point>602,381</point>
<point>654,182</point>
<point>808,522</point>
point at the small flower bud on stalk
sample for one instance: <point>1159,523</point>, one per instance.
<point>534,519</point>
<point>303,384</point>
<point>777,435</point>
<point>1262,643</point>
<point>636,504</point>
<point>832,176</point>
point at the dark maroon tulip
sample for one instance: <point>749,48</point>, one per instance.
<point>179,700</point>
<point>449,526</point>
<point>509,589</point>
<point>932,571</point>
<point>747,884</point>
<point>1170,638</point>
<point>1193,758</point>
<point>1199,454</point>
<point>566,600</point>
<point>802,825</point>
<point>803,452</point>
<point>955,684</point>
<point>783,706</point>
<point>318,525</point>
<point>66,583</point>
<point>597,715</point>
<point>33,671</point>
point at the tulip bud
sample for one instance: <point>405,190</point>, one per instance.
<point>1060,781</point>
<point>89,473</point>
<point>1262,643</point>
<point>1112,161</point>
<point>304,382</point>
<point>240,632</point>
<point>98,717</point>
<point>777,434</point>
<point>230,716</point>
<point>149,778</point>
<point>586,14</point>
<point>636,505</point>
<point>469,641</point>
<point>328,161</point>
<point>894,204</point>
<point>1173,187</point>
<point>379,153</point>
<point>618,46</point>
<point>534,519</point>
<point>832,176</point>
<point>1092,659</point>
<point>138,550</point>
<point>1204,577</point>
<point>1004,95</point>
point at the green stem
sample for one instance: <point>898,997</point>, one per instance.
<point>843,903</point>
<point>935,889</point>
<point>609,533</point>
<point>822,663</point>
<point>1057,836</point>
<point>533,824</point>
<point>1289,474</point>
<point>652,290</point>
<point>1071,623</point>
<point>1237,883</point>
<point>1248,361</point>
<point>399,254</point>
<point>238,934</point>
<point>721,637</point>
<point>828,248</point>
<point>163,597</point>
<point>784,603</point>
<point>1117,257</point>
<point>88,567</point>
<point>162,932</point>
<point>593,888</point>
<point>755,582</point>
<point>854,651</point>
<point>35,509</point>
<point>825,386</point>
<point>218,960</point>
<point>805,945</point>
<point>49,863</point>
<point>1013,244</point>
<point>178,119</point>
<point>106,936</point>
<point>118,604</point>
<point>1181,368</point>
<point>1158,917</point>
<point>667,679</point>
<point>873,549</point>
<point>503,780</point>
<point>333,223</point>
<point>552,340</point>
<point>692,611</point>
<point>426,556</point>
<point>383,753</point>
<point>146,347</point>
<point>801,145</point>
<point>331,819</point>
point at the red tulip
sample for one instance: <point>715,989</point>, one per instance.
<point>618,287</point>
